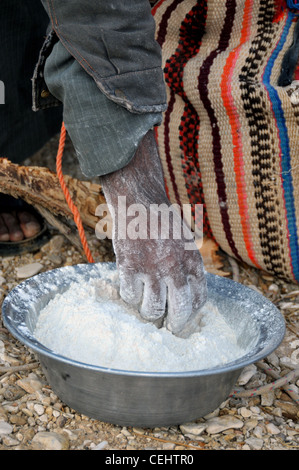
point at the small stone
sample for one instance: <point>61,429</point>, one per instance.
<point>258,432</point>
<point>245,412</point>
<point>30,405</point>
<point>39,409</point>
<point>30,384</point>
<point>273,359</point>
<point>9,441</point>
<point>44,418</point>
<point>56,243</point>
<point>295,358</point>
<point>100,446</point>
<point>72,435</point>
<point>27,412</point>
<point>28,435</point>
<point>272,429</point>
<point>216,425</point>
<point>193,428</point>
<point>44,440</point>
<point>255,410</point>
<point>213,414</point>
<point>18,420</point>
<point>288,409</point>
<point>31,421</point>
<point>12,361</point>
<point>3,414</point>
<point>5,428</point>
<point>254,443</point>
<point>273,288</point>
<point>277,412</point>
<point>250,424</point>
<point>268,398</point>
<point>56,259</point>
<point>41,398</point>
<point>11,408</point>
<point>2,352</point>
<point>168,446</point>
<point>49,411</point>
<point>246,447</point>
<point>56,413</point>
<point>28,270</point>
<point>138,430</point>
<point>247,373</point>
<point>290,362</point>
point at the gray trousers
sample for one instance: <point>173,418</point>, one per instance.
<point>101,61</point>
<point>105,135</point>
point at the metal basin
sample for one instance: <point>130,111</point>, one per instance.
<point>144,399</point>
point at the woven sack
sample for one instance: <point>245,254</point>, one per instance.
<point>230,136</point>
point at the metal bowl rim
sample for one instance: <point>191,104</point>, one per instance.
<point>240,363</point>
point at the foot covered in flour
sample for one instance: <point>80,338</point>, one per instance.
<point>157,273</point>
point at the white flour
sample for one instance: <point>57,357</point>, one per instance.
<point>90,324</point>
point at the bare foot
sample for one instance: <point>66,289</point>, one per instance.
<point>15,227</point>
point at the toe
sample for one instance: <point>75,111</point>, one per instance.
<point>14,230</point>
<point>29,224</point>
<point>4,235</point>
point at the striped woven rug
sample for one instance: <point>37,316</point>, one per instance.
<point>230,136</point>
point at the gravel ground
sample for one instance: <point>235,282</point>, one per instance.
<point>32,417</point>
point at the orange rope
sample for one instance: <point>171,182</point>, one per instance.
<point>67,195</point>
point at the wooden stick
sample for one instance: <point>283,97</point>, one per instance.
<point>21,367</point>
<point>39,186</point>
